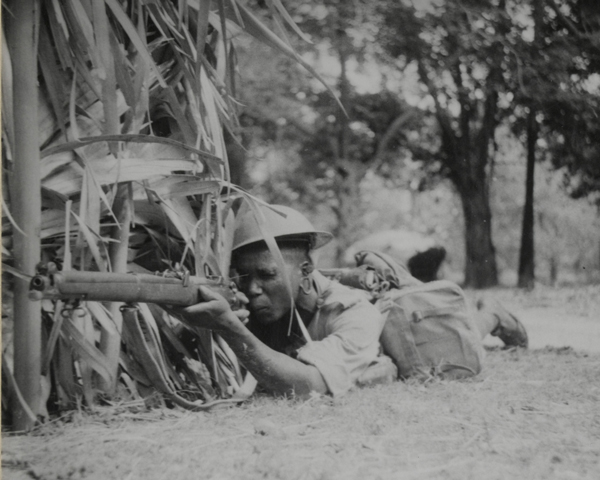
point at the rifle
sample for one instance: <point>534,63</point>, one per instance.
<point>168,289</point>
<point>172,289</point>
<point>163,289</point>
<point>362,278</point>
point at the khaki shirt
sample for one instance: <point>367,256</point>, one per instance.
<point>345,333</point>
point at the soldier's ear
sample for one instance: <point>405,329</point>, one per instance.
<point>307,268</point>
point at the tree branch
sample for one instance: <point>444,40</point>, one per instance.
<point>449,141</point>
<point>388,136</point>
<point>486,132</point>
<point>565,21</point>
<point>463,100</point>
<point>264,115</point>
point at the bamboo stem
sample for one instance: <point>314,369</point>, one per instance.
<point>26,205</point>
<point>110,341</point>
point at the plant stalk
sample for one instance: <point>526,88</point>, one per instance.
<point>25,192</point>
<point>110,342</point>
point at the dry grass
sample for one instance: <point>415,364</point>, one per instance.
<point>530,414</point>
<point>580,300</point>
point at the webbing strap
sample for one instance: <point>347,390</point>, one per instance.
<point>419,315</point>
<point>398,341</point>
<point>303,328</point>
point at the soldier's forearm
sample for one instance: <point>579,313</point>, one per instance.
<point>275,371</point>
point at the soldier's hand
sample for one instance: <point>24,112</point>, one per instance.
<point>213,311</point>
<point>242,313</point>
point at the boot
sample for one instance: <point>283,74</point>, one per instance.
<point>510,330</point>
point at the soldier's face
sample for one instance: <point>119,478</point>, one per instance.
<point>264,283</point>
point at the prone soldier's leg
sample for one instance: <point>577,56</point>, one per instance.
<point>493,318</point>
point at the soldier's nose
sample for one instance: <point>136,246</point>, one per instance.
<point>254,288</point>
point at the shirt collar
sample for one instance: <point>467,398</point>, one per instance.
<point>322,286</point>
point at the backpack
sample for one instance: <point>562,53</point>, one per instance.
<point>429,330</point>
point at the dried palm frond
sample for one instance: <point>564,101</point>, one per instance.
<point>134,97</point>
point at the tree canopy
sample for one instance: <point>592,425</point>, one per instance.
<point>466,68</point>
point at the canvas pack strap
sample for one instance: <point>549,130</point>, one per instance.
<point>419,315</point>
<point>398,341</point>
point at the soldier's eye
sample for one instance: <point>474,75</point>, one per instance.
<point>268,276</point>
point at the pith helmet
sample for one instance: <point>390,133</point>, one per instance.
<point>289,225</point>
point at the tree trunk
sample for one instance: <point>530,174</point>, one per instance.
<point>553,269</point>
<point>466,154</point>
<point>346,188</point>
<point>527,252</point>
<point>25,192</point>
<point>480,268</point>
<point>527,255</point>
<point>348,210</point>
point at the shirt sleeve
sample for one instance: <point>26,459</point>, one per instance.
<point>351,344</point>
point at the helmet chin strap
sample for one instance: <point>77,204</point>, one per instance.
<point>303,328</point>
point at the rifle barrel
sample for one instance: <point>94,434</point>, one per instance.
<point>125,287</point>
<point>356,277</point>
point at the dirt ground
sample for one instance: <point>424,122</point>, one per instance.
<point>531,414</point>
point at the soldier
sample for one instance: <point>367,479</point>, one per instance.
<point>336,344</point>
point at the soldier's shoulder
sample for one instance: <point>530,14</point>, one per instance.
<point>348,297</point>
